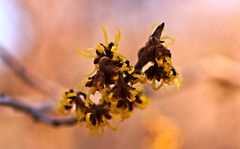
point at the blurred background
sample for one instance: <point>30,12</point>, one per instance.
<point>44,36</point>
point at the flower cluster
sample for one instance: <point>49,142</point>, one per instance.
<point>116,79</point>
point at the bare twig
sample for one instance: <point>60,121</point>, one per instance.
<point>38,113</point>
<point>26,76</point>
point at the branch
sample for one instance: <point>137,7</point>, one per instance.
<point>26,76</point>
<point>38,113</point>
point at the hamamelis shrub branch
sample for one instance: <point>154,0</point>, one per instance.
<point>116,79</point>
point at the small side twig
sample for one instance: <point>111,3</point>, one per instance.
<point>38,113</point>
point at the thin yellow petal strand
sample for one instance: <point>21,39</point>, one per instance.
<point>105,36</point>
<point>133,95</point>
<point>118,56</point>
<point>131,70</point>
<point>170,39</point>
<point>117,37</point>
<point>89,49</point>
<point>88,75</point>
<point>178,82</point>
<point>86,54</point>
<point>142,79</point>
<point>124,67</point>
<point>80,117</point>
<point>110,126</point>
<point>81,85</point>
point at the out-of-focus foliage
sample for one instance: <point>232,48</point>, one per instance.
<point>160,131</point>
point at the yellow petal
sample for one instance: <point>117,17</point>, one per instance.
<point>178,82</point>
<point>133,95</point>
<point>131,70</point>
<point>109,125</point>
<point>81,85</point>
<point>74,94</point>
<point>100,48</point>
<point>170,39</point>
<point>86,54</point>
<point>105,36</point>
<point>114,48</point>
<point>117,37</point>
<point>168,60</point>
<point>88,121</point>
<point>159,61</point>
<point>60,108</point>
<point>89,49</point>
